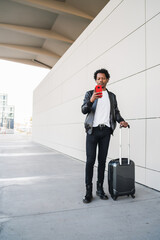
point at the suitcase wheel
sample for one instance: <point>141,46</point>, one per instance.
<point>132,195</point>
<point>114,198</point>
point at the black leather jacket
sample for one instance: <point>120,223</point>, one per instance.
<point>89,109</point>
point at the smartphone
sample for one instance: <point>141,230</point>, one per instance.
<point>98,88</point>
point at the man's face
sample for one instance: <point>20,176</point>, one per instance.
<point>102,80</point>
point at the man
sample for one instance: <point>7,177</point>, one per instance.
<point>102,115</point>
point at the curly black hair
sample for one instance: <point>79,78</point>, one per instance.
<point>102,70</point>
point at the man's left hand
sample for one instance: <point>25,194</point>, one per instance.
<point>124,124</point>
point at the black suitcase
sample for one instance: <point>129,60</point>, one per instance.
<point>121,174</point>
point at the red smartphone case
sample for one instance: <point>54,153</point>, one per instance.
<point>98,88</point>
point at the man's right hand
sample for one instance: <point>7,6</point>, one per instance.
<point>95,96</point>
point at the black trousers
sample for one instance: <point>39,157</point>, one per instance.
<point>100,137</point>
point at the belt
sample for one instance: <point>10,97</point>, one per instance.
<point>101,126</point>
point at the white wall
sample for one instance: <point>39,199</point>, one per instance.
<point>124,38</point>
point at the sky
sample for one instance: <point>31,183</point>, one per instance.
<point>19,81</point>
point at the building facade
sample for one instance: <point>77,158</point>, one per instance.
<point>6,115</point>
<point>124,38</point>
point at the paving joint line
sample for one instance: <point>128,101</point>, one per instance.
<point>70,210</point>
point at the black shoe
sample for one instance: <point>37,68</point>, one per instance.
<point>100,192</point>
<point>88,197</point>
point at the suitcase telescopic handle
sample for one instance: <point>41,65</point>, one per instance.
<point>120,145</point>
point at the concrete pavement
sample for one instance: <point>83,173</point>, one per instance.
<point>41,194</point>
